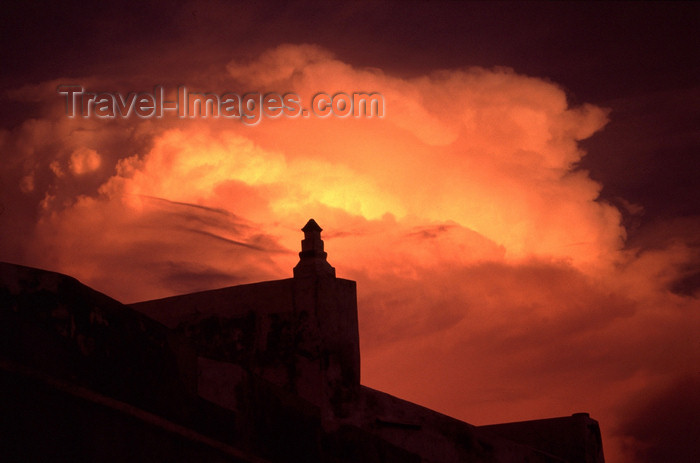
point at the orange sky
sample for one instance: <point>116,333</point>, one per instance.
<point>494,282</point>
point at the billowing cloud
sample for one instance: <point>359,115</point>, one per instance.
<point>84,160</point>
<point>494,284</point>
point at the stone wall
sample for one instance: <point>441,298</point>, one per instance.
<point>299,333</point>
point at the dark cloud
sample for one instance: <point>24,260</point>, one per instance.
<point>190,277</point>
<point>663,425</point>
<point>648,153</point>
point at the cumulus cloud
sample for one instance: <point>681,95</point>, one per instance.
<point>84,160</point>
<point>493,283</point>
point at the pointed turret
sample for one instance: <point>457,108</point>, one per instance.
<point>312,258</point>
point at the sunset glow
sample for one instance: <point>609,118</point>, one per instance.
<point>496,279</point>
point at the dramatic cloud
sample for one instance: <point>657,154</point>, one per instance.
<point>494,284</point>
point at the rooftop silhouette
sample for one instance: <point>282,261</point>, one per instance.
<point>263,372</point>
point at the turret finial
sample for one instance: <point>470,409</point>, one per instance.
<point>312,258</point>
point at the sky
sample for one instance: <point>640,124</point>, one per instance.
<point>522,221</point>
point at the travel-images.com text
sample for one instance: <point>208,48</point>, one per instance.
<point>249,108</point>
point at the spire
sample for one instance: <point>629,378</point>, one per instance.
<point>312,258</point>
<point>312,244</point>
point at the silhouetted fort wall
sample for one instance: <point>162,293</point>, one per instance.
<point>261,372</point>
